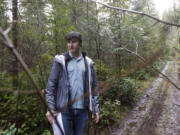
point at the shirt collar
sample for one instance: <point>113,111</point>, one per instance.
<point>79,58</point>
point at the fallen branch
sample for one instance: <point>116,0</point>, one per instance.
<point>135,12</point>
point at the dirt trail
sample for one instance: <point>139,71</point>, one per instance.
<point>157,112</point>
<point>169,122</point>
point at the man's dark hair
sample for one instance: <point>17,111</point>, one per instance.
<point>74,34</point>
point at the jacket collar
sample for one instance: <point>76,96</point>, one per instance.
<point>68,57</point>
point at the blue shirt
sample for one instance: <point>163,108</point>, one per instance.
<point>76,73</point>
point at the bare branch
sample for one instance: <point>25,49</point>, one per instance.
<point>6,40</point>
<point>7,30</point>
<point>135,12</point>
<point>141,58</point>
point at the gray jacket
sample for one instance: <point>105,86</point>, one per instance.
<point>57,89</point>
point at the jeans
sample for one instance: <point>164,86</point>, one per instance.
<point>74,121</point>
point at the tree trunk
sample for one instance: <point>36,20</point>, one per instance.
<point>39,23</point>
<point>74,14</point>
<point>14,68</point>
<point>2,59</point>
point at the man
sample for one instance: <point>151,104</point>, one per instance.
<point>72,89</point>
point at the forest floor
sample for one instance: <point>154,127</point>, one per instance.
<point>158,110</point>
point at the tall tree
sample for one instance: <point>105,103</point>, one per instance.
<point>14,68</point>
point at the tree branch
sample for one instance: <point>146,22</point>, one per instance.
<point>135,12</point>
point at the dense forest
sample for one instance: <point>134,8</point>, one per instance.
<point>129,51</point>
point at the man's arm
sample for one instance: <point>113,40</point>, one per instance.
<point>95,96</point>
<point>51,87</point>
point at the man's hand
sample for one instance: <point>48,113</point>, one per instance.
<point>96,117</point>
<point>50,117</point>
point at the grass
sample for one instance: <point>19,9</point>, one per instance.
<point>143,85</point>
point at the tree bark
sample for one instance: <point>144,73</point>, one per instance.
<point>14,68</point>
<point>1,58</point>
<point>74,14</point>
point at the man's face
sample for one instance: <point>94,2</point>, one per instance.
<point>73,45</point>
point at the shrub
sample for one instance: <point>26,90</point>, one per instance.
<point>30,114</point>
<point>101,71</point>
<point>123,90</point>
<point>142,74</point>
<point>128,91</point>
<point>109,111</point>
<point>10,130</point>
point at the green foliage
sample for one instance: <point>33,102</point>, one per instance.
<point>128,91</point>
<point>46,132</point>
<point>122,93</point>
<point>3,79</point>
<point>109,111</point>
<point>28,115</point>
<point>142,74</point>
<point>10,130</point>
<point>149,71</point>
<point>123,90</point>
<point>101,71</point>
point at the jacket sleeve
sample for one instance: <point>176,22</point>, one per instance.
<point>51,87</point>
<point>95,93</point>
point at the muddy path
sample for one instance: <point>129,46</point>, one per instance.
<point>150,116</point>
<point>169,122</point>
<point>150,121</point>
